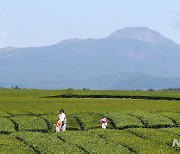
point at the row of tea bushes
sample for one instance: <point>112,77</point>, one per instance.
<point>89,120</point>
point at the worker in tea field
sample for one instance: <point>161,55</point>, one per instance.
<point>62,120</point>
<point>103,122</point>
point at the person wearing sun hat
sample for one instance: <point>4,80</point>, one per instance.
<point>103,122</point>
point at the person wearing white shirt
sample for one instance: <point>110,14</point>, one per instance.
<point>62,119</point>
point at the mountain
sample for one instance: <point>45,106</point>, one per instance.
<point>143,34</point>
<point>145,82</point>
<point>127,81</point>
<point>94,63</point>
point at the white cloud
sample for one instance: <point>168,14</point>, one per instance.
<point>2,17</point>
<point>176,23</point>
<point>3,37</point>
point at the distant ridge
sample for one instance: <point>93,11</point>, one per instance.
<point>7,49</point>
<point>75,40</point>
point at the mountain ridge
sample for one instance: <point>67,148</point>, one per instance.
<point>76,61</point>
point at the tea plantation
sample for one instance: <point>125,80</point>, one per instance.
<point>139,122</point>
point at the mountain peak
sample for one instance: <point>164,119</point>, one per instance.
<point>142,34</point>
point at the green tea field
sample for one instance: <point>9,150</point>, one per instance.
<point>139,122</point>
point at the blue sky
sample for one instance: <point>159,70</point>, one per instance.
<point>25,23</point>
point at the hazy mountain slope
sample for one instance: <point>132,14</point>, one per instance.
<point>128,81</point>
<point>146,82</point>
<point>73,63</point>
